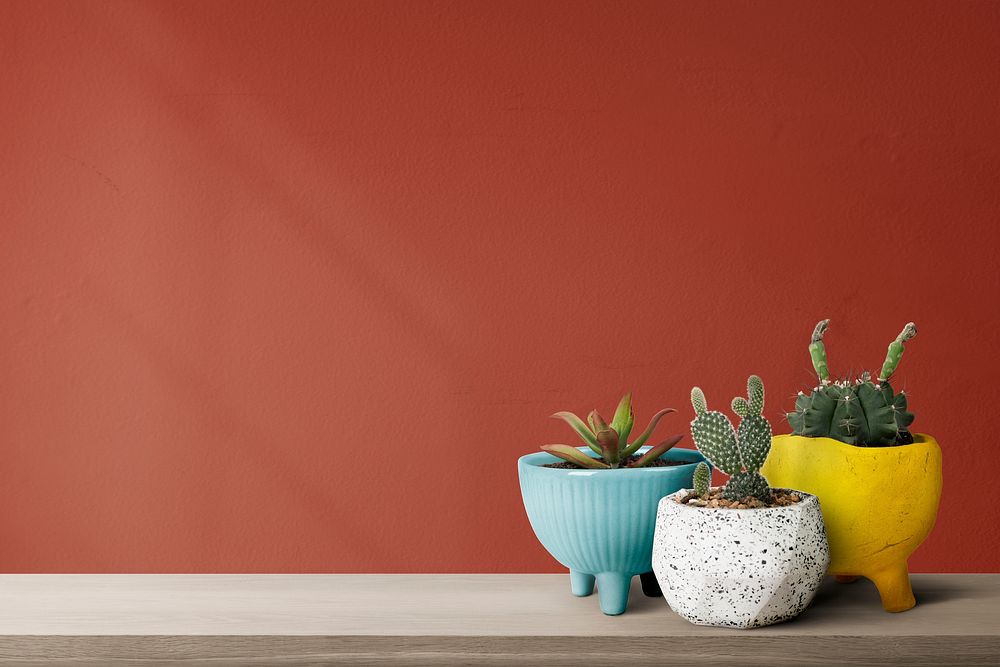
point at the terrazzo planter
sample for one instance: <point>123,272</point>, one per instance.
<point>739,568</point>
<point>599,523</point>
<point>879,503</point>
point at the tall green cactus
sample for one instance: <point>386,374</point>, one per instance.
<point>859,412</point>
<point>741,452</point>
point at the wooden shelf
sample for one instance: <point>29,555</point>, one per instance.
<point>465,619</point>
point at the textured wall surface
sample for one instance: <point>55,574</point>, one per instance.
<point>288,286</point>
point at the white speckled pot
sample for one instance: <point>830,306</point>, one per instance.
<point>739,568</point>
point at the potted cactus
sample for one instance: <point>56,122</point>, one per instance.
<point>879,483</point>
<point>593,507</point>
<point>743,555</point>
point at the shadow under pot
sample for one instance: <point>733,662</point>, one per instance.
<point>599,523</point>
<point>739,568</point>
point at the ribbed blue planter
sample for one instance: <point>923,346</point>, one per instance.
<point>600,523</point>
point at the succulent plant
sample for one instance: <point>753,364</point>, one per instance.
<point>739,453</point>
<point>702,478</point>
<point>859,411</point>
<point>610,441</point>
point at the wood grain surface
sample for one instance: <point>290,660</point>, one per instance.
<point>464,620</point>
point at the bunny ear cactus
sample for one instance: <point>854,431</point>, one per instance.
<point>610,441</point>
<point>741,452</point>
<point>861,412</point>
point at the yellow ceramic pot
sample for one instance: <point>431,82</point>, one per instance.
<point>878,503</point>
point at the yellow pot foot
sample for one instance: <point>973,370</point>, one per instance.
<point>846,578</point>
<point>894,587</point>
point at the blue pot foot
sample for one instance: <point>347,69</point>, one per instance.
<point>650,586</point>
<point>581,583</point>
<point>612,589</point>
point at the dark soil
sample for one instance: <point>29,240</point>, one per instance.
<point>658,463</point>
<point>779,498</point>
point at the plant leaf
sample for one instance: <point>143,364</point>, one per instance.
<point>597,422</point>
<point>658,451</point>
<point>641,440</point>
<point>623,419</point>
<point>608,440</point>
<point>574,455</point>
<point>577,425</point>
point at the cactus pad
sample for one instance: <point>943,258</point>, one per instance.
<point>715,437</point>
<point>755,395</point>
<point>698,401</point>
<point>740,406</point>
<point>754,438</point>
<point>702,478</point>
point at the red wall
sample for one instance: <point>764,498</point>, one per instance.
<point>288,286</point>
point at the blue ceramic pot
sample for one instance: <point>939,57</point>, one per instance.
<point>600,523</point>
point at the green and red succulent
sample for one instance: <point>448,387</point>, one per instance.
<point>610,441</point>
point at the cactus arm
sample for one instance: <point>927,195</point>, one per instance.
<point>629,450</point>
<point>658,451</point>
<point>755,395</point>
<point>574,455</point>
<point>582,430</point>
<point>698,401</point>
<point>623,419</point>
<point>608,440</point>
<point>817,350</point>
<point>895,352</point>
<point>702,478</point>
<point>740,406</point>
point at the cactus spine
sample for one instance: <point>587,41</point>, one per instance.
<point>859,412</point>
<point>739,453</point>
